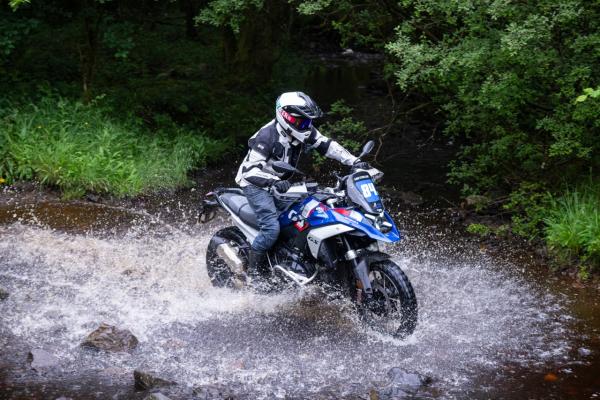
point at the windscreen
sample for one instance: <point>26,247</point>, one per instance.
<point>362,191</point>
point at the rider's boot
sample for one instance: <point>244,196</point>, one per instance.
<point>258,270</point>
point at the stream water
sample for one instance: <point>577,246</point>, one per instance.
<point>490,326</point>
<point>493,324</point>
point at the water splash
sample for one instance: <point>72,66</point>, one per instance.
<point>475,315</point>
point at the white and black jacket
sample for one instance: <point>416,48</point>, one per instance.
<point>271,144</point>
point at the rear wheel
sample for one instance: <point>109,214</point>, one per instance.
<point>393,307</point>
<point>221,274</point>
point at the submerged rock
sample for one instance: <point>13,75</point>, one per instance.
<point>41,359</point>
<point>214,392</point>
<point>402,384</point>
<point>145,380</point>
<point>110,338</point>
<point>3,294</point>
<point>584,352</point>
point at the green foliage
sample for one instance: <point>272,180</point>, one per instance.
<point>529,205</point>
<point>227,12</point>
<point>588,92</point>
<point>479,229</point>
<point>80,149</point>
<point>118,37</point>
<point>505,74</point>
<point>363,24</point>
<point>343,128</point>
<point>486,230</point>
<point>12,31</point>
<point>16,3</point>
<point>573,226</point>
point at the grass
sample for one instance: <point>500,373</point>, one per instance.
<point>81,148</point>
<point>573,227</point>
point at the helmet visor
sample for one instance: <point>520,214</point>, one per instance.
<point>300,123</point>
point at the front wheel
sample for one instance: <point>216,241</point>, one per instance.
<point>393,307</point>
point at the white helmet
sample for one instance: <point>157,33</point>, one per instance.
<point>295,111</point>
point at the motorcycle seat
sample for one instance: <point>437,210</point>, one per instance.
<point>239,205</point>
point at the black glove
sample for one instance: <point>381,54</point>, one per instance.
<point>282,186</point>
<point>361,165</point>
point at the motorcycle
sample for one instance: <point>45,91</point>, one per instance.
<point>330,235</point>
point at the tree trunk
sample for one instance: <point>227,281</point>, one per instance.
<point>88,55</point>
<point>258,43</point>
<point>88,59</point>
<point>191,8</point>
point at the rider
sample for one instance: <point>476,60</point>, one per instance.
<point>282,139</point>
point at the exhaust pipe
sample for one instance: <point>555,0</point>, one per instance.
<point>231,258</point>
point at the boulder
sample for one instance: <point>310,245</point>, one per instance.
<point>145,380</point>
<point>110,338</point>
<point>410,198</point>
<point>3,294</point>
<point>41,359</point>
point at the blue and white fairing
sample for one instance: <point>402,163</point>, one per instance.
<point>313,214</point>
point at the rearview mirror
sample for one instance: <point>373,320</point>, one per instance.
<point>367,148</point>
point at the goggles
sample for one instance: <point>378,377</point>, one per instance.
<point>302,124</point>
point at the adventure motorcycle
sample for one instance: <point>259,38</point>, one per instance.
<point>332,234</point>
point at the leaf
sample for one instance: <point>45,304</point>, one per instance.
<point>581,98</point>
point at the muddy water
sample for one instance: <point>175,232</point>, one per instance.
<point>490,326</point>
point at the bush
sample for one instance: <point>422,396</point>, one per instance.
<point>80,149</point>
<point>347,131</point>
<point>506,76</point>
<point>573,226</point>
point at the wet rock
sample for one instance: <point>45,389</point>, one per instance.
<point>156,396</point>
<point>92,197</point>
<point>409,198</point>
<point>4,294</point>
<point>214,392</point>
<point>347,52</point>
<point>110,338</point>
<point>402,384</point>
<point>584,352</point>
<point>41,359</point>
<point>145,380</point>
<point>550,377</point>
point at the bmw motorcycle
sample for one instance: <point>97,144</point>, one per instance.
<point>330,235</point>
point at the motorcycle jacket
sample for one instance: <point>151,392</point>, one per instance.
<point>271,144</point>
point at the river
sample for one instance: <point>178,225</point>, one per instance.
<point>492,323</point>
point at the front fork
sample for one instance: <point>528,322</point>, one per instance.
<point>360,269</point>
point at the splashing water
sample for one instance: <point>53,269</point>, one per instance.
<point>475,315</point>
